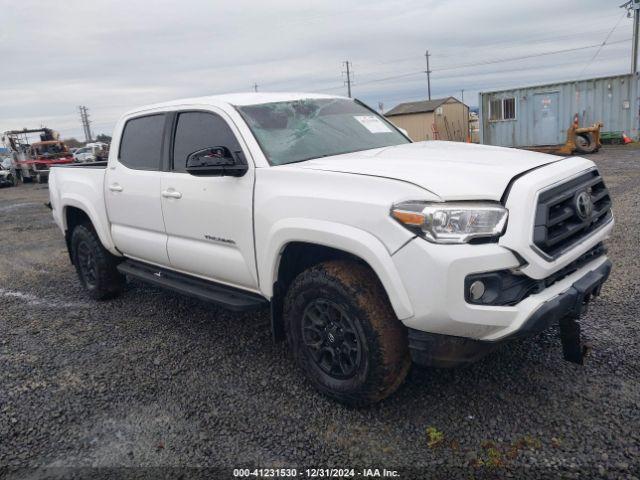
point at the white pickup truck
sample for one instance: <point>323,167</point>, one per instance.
<point>371,251</point>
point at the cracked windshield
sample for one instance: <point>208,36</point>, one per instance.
<point>301,130</point>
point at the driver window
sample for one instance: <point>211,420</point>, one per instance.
<point>198,130</point>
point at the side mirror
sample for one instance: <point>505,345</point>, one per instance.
<point>216,161</point>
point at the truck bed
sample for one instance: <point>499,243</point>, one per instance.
<point>101,165</point>
<point>81,186</point>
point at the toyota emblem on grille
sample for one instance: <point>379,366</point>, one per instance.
<point>584,205</point>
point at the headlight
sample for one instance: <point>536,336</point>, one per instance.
<point>452,222</point>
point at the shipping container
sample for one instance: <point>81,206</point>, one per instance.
<point>540,115</point>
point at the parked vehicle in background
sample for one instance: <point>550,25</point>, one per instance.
<point>83,154</point>
<point>370,250</point>
<point>7,173</point>
<point>90,152</point>
<point>33,160</point>
<point>6,162</point>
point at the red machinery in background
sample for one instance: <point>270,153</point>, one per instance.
<point>33,160</point>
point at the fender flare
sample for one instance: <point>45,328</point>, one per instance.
<point>101,227</point>
<point>341,237</point>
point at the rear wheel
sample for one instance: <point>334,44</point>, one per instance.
<point>344,334</point>
<point>96,267</point>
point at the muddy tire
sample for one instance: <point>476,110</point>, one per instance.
<point>344,334</point>
<point>585,143</point>
<point>96,267</point>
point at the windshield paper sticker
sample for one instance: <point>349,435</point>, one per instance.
<point>372,123</point>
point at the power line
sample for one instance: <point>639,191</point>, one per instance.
<point>511,69</point>
<point>349,80</point>
<point>509,44</point>
<point>602,44</point>
<point>524,57</point>
<point>394,77</point>
<point>489,62</point>
<point>411,95</point>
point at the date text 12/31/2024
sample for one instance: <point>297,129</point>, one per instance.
<point>315,473</point>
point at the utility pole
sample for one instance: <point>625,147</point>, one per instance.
<point>348,73</point>
<point>634,5</point>
<point>255,87</point>
<point>86,123</point>
<point>428,72</point>
<point>636,23</point>
<point>381,107</point>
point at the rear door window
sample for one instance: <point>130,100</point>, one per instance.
<point>198,130</point>
<point>141,144</point>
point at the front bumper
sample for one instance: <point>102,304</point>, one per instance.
<point>434,276</point>
<point>428,349</point>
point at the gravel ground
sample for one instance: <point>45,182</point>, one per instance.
<point>153,379</point>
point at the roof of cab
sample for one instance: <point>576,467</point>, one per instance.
<point>239,99</point>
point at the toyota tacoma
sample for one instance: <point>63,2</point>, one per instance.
<point>371,251</point>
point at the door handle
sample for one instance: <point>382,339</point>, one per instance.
<point>171,194</point>
<point>115,188</point>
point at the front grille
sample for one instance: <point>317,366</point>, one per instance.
<point>560,221</point>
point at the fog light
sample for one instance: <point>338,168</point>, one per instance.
<point>476,290</point>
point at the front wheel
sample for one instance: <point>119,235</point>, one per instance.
<point>344,334</point>
<point>96,267</point>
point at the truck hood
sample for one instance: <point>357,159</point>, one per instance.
<point>451,170</point>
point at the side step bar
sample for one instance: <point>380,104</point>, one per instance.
<point>229,297</point>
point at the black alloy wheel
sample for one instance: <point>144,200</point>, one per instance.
<point>332,338</point>
<point>87,264</point>
<point>96,267</point>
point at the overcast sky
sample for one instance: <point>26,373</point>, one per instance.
<point>113,55</point>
